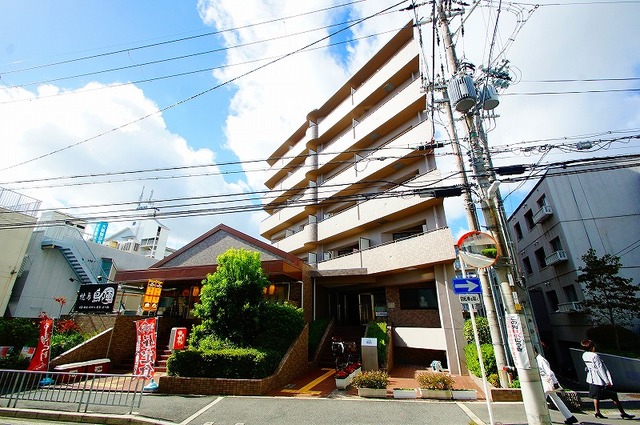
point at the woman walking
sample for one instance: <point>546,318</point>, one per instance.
<point>599,380</point>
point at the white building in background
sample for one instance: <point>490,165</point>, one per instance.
<point>343,198</point>
<point>146,237</point>
<point>18,215</point>
<point>57,261</point>
<point>569,211</point>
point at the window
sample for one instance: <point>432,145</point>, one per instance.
<point>540,257</point>
<point>528,218</point>
<point>418,298</point>
<point>570,293</point>
<point>542,201</point>
<point>518,230</point>
<point>552,299</point>
<point>526,263</point>
<point>556,245</point>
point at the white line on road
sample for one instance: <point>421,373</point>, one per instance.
<point>469,413</point>
<point>201,411</point>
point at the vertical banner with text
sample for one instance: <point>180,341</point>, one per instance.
<point>515,332</point>
<point>145,347</point>
<point>152,296</point>
<point>40,359</point>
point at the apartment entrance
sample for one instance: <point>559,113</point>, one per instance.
<point>358,308</point>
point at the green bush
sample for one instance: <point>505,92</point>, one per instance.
<point>63,342</point>
<point>239,363</point>
<point>18,333</point>
<point>488,357</point>
<point>494,380</point>
<point>316,331</point>
<point>514,384</point>
<point>605,338</point>
<point>278,326</point>
<point>14,362</point>
<point>379,330</point>
<point>376,379</point>
<point>484,335</point>
<point>435,381</point>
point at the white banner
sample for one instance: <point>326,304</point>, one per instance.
<point>516,342</point>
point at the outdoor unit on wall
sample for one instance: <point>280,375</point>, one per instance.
<point>312,258</point>
<point>288,233</point>
<point>556,257</point>
<point>542,214</point>
<point>327,256</point>
<point>570,307</point>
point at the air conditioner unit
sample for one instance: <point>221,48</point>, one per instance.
<point>288,233</point>
<point>425,228</point>
<point>542,214</point>
<point>328,256</point>
<point>556,257</point>
<point>570,307</point>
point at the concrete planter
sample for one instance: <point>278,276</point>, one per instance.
<point>372,392</point>
<point>405,393</point>
<point>435,394</point>
<point>464,394</point>
<point>343,383</point>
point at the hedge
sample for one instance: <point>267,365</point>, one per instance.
<point>488,357</point>
<point>239,363</point>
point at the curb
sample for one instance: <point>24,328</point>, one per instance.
<point>106,419</point>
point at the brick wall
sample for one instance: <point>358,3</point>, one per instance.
<point>292,366</point>
<point>94,348</point>
<point>506,394</point>
<point>410,318</point>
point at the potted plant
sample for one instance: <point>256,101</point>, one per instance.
<point>372,383</point>
<point>345,376</point>
<point>404,393</point>
<point>436,385</point>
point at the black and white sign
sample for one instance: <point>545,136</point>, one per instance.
<point>469,298</point>
<point>96,298</point>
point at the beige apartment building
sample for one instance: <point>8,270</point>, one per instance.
<point>344,199</point>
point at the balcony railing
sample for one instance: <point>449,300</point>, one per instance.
<point>556,257</point>
<point>542,214</point>
<point>570,307</point>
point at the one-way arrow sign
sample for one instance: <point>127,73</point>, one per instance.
<point>467,285</point>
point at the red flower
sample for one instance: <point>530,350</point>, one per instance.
<point>341,374</point>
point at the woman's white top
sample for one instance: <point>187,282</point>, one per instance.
<point>597,372</point>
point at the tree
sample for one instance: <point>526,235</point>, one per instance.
<point>230,297</point>
<point>609,297</point>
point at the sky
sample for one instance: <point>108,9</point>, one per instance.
<point>197,94</point>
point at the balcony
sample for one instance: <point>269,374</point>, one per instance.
<point>285,163</point>
<point>428,248</point>
<point>570,307</point>
<point>542,214</point>
<point>285,215</point>
<point>299,241</point>
<point>557,257</point>
<point>377,80</point>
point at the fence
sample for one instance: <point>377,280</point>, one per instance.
<point>83,389</point>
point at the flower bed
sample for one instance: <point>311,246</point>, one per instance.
<point>346,375</point>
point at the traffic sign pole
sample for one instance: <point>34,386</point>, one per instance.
<point>484,375</point>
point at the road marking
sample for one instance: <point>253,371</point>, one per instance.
<point>469,413</point>
<point>307,388</point>
<point>201,411</point>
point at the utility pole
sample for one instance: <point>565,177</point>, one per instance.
<point>531,386</point>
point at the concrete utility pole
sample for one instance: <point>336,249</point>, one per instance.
<point>532,392</point>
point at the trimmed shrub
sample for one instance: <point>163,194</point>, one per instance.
<point>316,331</point>
<point>14,362</point>
<point>494,380</point>
<point>484,335</point>
<point>239,363</point>
<point>379,330</point>
<point>473,364</point>
<point>18,333</point>
<point>435,381</point>
<point>376,379</point>
<point>279,325</point>
<point>63,342</point>
<point>514,384</point>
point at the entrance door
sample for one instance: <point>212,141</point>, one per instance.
<point>366,308</point>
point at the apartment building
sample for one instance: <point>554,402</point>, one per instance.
<point>146,237</point>
<point>18,215</point>
<point>344,199</point>
<point>570,210</point>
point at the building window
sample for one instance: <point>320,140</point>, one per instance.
<point>518,230</point>
<point>526,263</point>
<point>552,299</point>
<point>556,245</point>
<point>418,298</point>
<point>528,218</point>
<point>540,257</point>
<point>570,293</point>
<point>542,201</point>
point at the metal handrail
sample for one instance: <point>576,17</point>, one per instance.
<point>71,237</point>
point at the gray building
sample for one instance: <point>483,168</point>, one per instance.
<point>570,210</point>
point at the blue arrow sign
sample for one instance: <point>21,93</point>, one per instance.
<point>467,285</point>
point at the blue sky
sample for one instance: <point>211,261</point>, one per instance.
<point>248,118</point>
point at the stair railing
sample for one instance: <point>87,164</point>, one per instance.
<point>70,237</point>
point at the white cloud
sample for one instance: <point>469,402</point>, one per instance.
<point>38,127</point>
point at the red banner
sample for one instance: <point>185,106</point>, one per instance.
<point>40,360</point>
<point>145,347</point>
